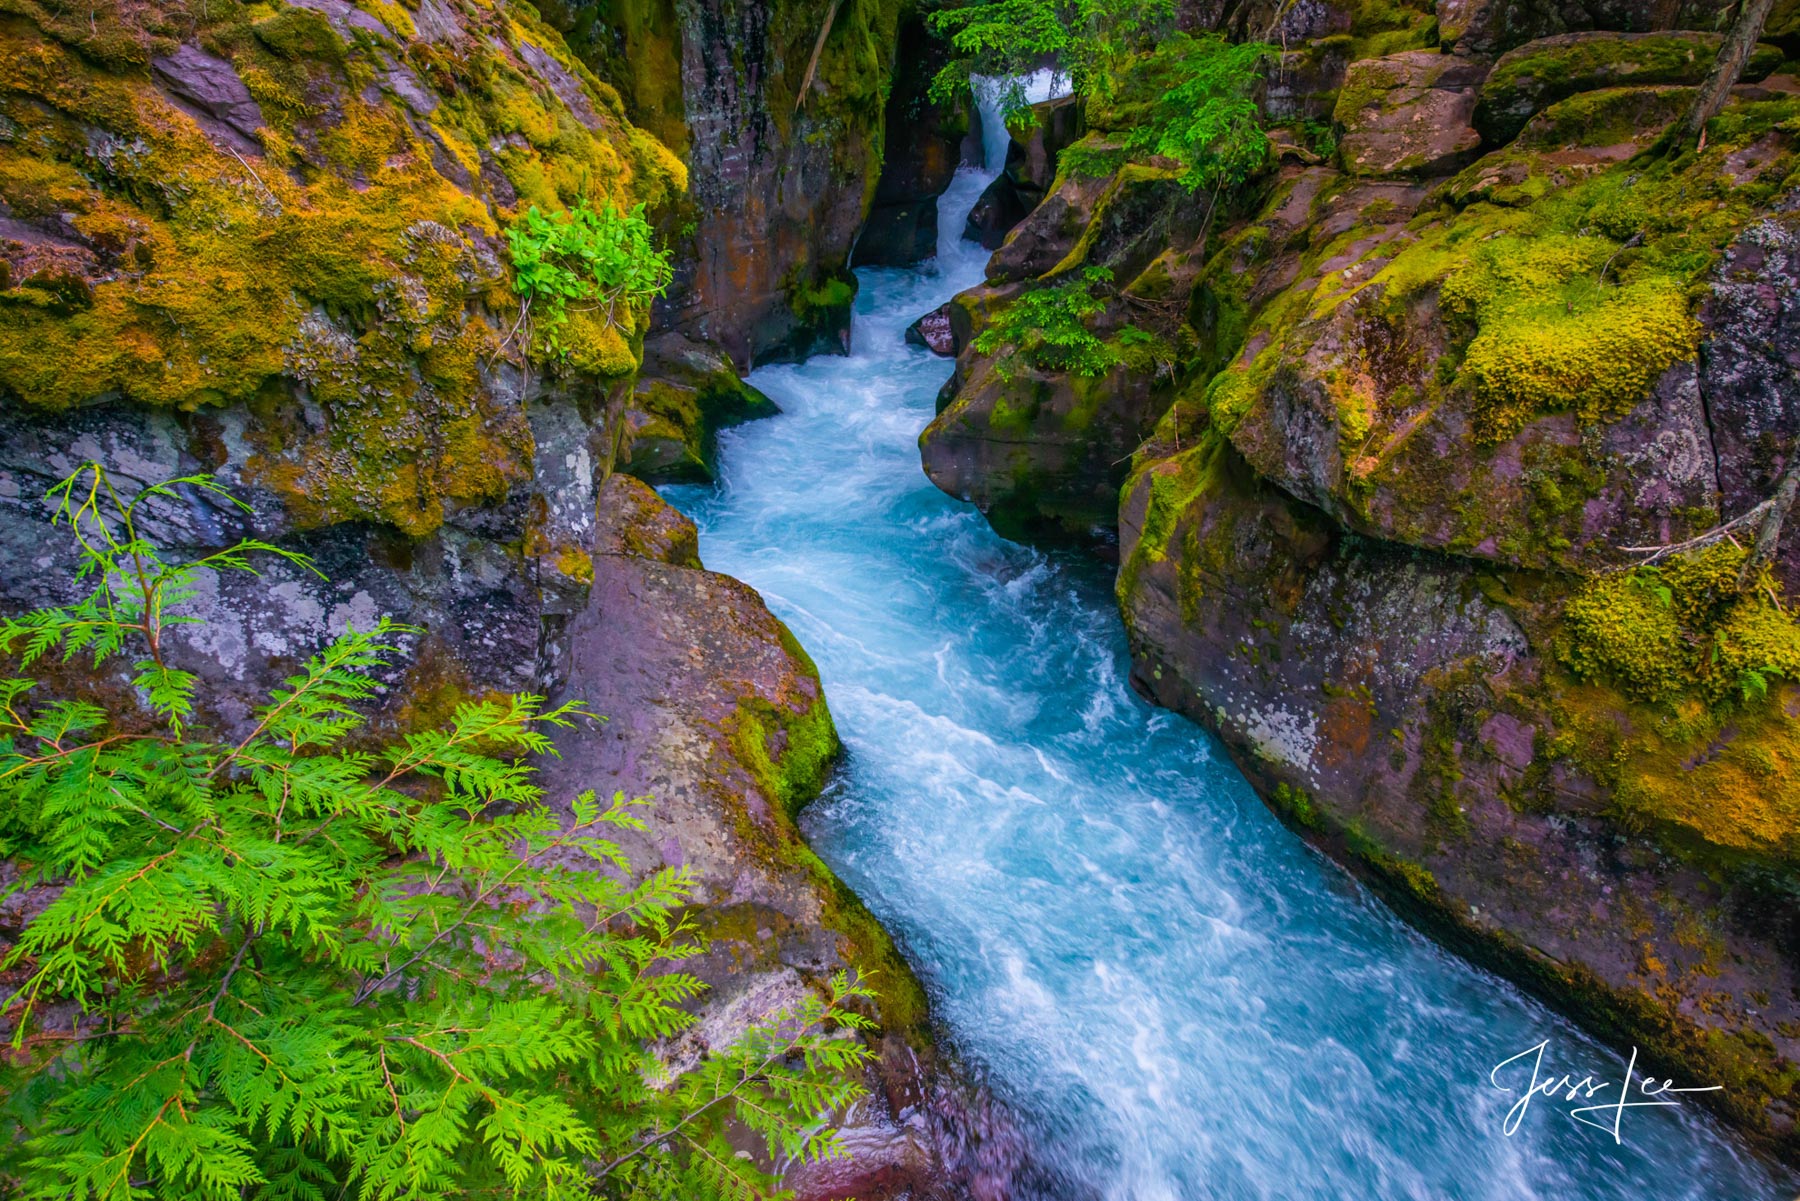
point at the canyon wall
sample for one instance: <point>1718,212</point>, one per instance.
<point>1376,435</point>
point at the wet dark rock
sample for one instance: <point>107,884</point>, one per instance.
<point>1041,454</point>
<point>922,148</point>
<point>1031,159</point>
<point>777,180</point>
<point>934,332</point>
<point>998,209</point>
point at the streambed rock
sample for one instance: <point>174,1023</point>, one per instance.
<point>935,332</point>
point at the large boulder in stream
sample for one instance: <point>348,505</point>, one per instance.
<point>713,712</point>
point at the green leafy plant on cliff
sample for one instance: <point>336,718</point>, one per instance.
<point>1046,327</point>
<point>1090,42</point>
<point>1207,118</point>
<point>301,962</point>
<point>586,258</point>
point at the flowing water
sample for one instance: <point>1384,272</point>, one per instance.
<point>1178,998</point>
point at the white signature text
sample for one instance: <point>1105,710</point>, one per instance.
<point>1608,1115</point>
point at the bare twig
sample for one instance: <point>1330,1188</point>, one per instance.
<point>1716,534</point>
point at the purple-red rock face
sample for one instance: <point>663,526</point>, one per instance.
<point>1748,365</point>
<point>783,158</point>
<point>1384,700</point>
<point>209,90</point>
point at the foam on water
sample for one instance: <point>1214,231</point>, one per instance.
<point>1180,999</point>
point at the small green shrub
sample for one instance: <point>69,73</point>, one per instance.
<point>1047,328</point>
<point>589,258</point>
<point>292,964</point>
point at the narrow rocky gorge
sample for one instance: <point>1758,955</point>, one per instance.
<point>1374,440</point>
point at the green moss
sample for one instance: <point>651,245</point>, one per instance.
<point>1551,335</point>
<point>827,299</point>
<point>340,257</point>
<point>300,33</point>
<point>789,754</point>
<point>1681,628</point>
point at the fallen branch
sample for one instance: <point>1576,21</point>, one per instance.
<point>1768,533</point>
<point>812,64</point>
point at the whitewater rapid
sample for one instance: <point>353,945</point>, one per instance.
<point>1178,997</point>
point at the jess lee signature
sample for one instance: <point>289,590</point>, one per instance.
<point>1608,1115</point>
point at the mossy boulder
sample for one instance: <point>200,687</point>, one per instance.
<point>634,521</point>
<point>1529,79</point>
<point>349,253</point>
<point>266,242</point>
<point>1517,380</point>
<point>1408,113</point>
<point>684,394</point>
<point>1491,27</point>
<point>1587,134</point>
